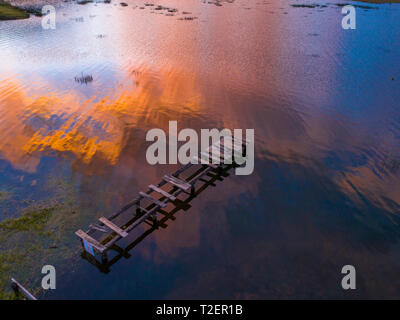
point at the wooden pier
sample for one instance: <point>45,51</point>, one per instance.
<point>19,288</point>
<point>103,235</point>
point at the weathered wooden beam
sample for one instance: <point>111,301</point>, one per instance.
<point>206,163</point>
<point>139,220</point>
<point>177,182</point>
<point>84,236</point>
<point>17,286</point>
<point>150,198</point>
<point>113,227</point>
<point>142,209</point>
<point>98,228</point>
<point>164,193</point>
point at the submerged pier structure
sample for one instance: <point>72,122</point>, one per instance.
<point>103,235</point>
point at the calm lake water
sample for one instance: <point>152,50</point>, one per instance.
<point>324,103</point>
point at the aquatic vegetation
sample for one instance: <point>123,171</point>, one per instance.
<point>39,235</point>
<point>84,79</point>
<point>10,12</point>
<point>7,261</point>
<point>32,220</point>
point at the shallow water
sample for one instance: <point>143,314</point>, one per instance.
<point>325,191</point>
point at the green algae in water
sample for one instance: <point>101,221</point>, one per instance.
<point>7,262</point>
<point>41,232</point>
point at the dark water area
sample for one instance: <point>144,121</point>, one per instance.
<point>76,103</point>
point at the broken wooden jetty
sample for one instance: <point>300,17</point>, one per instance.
<point>19,288</point>
<point>145,208</point>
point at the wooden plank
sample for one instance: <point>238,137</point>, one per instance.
<point>26,293</point>
<point>164,193</point>
<point>83,235</point>
<point>150,198</point>
<point>113,227</point>
<point>177,182</point>
<point>206,163</point>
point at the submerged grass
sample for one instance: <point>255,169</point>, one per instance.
<point>10,12</point>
